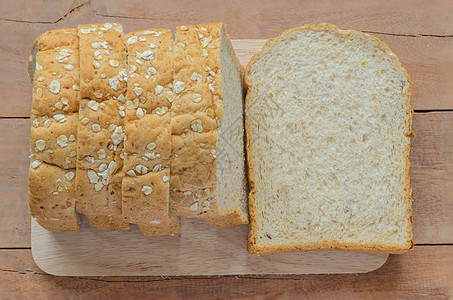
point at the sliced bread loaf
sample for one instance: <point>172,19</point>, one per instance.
<point>207,162</point>
<point>328,123</point>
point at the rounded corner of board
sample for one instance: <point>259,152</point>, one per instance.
<point>379,263</point>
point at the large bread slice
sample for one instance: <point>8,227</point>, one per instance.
<point>54,69</point>
<point>146,193</point>
<point>328,122</point>
<point>207,162</point>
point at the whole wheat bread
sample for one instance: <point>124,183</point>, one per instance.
<point>53,68</point>
<point>207,163</point>
<point>147,141</point>
<point>100,132</point>
<point>328,125</point>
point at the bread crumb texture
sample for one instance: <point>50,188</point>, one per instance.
<point>328,121</point>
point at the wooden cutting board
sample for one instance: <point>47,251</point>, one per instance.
<point>198,250</point>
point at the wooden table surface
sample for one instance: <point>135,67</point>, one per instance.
<point>419,32</point>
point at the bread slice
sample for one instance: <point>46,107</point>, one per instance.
<point>207,162</point>
<point>54,68</point>
<point>146,200</point>
<point>101,129</point>
<point>328,123</point>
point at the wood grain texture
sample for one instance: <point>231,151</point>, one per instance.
<point>30,12</point>
<point>427,271</point>
<point>431,177</point>
<point>14,214</point>
<point>267,18</point>
<point>404,17</point>
<point>424,43</point>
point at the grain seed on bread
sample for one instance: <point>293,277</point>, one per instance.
<point>202,96</point>
<point>101,129</point>
<point>53,131</point>
<point>148,134</point>
<point>207,153</point>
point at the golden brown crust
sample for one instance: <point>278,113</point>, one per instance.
<point>228,220</point>
<point>101,131</point>
<point>59,139</point>
<point>102,84</point>
<point>64,37</point>
<point>148,133</point>
<point>369,248</point>
<point>170,226</point>
<point>251,173</point>
<point>194,120</point>
<point>255,249</point>
<point>185,203</point>
<point>51,198</point>
<point>54,66</point>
